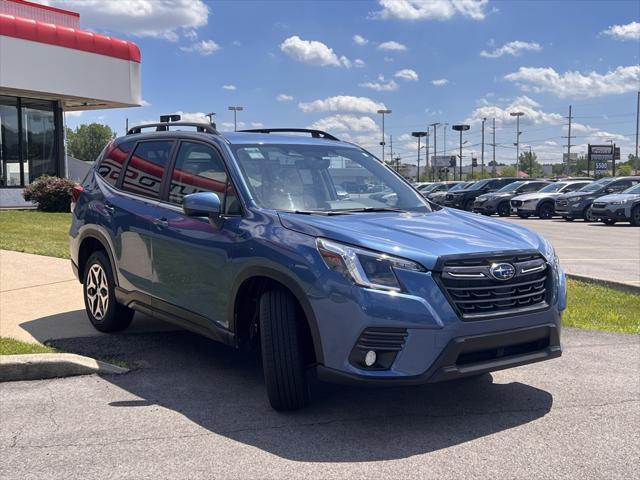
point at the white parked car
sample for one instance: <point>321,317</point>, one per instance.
<point>542,203</point>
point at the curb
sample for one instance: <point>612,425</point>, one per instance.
<point>40,366</point>
<point>622,287</point>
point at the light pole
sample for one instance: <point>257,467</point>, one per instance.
<point>435,149</point>
<point>419,135</point>
<point>382,143</point>
<point>235,111</point>
<point>518,132</point>
<point>482,151</point>
<point>460,128</point>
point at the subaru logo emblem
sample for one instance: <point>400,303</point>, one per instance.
<point>502,271</point>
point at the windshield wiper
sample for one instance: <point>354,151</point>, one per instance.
<point>318,212</point>
<point>370,210</point>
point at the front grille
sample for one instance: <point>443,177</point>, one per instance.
<point>516,203</point>
<point>486,355</point>
<point>476,294</point>
<point>599,205</point>
<point>382,339</point>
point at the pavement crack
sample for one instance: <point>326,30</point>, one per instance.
<point>52,411</point>
<point>36,286</point>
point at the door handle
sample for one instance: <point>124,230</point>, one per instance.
<point>161,222</point>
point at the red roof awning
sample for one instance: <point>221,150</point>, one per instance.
<point>73,38</point>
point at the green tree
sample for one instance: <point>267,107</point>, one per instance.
<point>508,171</point>
<point>624,170</point>
<point>528,162</point>
<point>87,140</point>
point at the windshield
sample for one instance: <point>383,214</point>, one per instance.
<point>595,186</point>
<point>306,179</point>
<point>634,189</point>
<point>512,187</point>
<point>460,186</point>
<point>479,185</point>
<point>554,187</point>
<point>430,188</point>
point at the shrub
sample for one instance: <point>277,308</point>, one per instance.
<point>51,194</point>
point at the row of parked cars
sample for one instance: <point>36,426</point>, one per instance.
<point>610,199</point>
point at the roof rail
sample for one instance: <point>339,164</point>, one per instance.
<point>164,127</point>
<point>314,133</point>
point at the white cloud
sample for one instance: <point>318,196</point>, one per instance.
<point>430,9</point>
<point>257,125</point>
<point>407,74</point>
<point>342,103</point>
<point>360,40</point>
<point>229,125</point>
<point>630,31</point>
<point>144,103</point>
<point>358,63</point>
<point>312,52</point>
<point>342,122</point>
<point>392,46</point>
<point>73,114</point>
<point>197,117</point>
<point>283,97</point>
<point>381,85</point>
<point>569,84</point>
<point>533,115</point>
<point>203,47</point>
<point>514,48</point>
<point>230,88</point>
<point>140,18</point>
<point>441,82</point>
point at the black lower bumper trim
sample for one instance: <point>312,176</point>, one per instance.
<point>470,355</point>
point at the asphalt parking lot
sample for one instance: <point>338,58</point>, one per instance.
<point>593,250</point>
<point>195,409</point>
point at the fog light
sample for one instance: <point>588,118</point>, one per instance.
<point>370,358</point>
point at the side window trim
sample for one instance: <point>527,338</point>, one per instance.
<point>164,173</point>
<point>169,175</point>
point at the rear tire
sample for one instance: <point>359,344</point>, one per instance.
<point>504,210</point>
<point>104,312</point>
<point>635,216</point>
<point>546,210</point>
<point>282,356</point>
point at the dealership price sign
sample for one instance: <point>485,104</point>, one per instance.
<point>599,157</point>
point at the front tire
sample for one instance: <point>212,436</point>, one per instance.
<point>504,210</point>
<point>282,356</point>
<point>588,215</point>
<point>104,312</point>
<point>546,210</point>
<point>635,216</point>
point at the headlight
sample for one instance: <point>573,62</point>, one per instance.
<point>619,202</point>
<point>550,253</point>
<point>365,267</point>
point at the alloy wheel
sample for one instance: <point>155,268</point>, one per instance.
<point>97,291</point>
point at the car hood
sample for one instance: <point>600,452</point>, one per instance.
<point>618,197</point>
<point>422,237</point>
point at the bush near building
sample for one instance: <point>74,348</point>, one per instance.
<point>51,194</point>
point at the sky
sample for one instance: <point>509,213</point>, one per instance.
<point>332,64</point>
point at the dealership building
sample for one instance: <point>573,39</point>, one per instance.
<point>48,66</point>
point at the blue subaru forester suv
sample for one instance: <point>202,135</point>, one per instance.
<point>250,239</point>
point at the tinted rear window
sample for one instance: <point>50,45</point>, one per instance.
<point>113,161</point>
<point>146,167</point>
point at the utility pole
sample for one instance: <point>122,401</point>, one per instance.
<point>427,149</point>
<point>569,137</point>
<point>493,167</point>
<point>390,150</point>
<point>383,113</point>
<point>419,135</point>
<point>635,162</point>
<point>482,151</point>
<point>518,132</point>
<point>460,128</point>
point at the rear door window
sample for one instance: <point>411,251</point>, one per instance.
<point>146,166</point>
<point>113,161</point>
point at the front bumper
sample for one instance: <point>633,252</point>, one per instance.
<point>612,212</point>
<point>471,355</point>
<point>570,211</point>
<point>486,208</point>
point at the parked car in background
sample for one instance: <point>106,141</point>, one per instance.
<point>241,237</point>
<point>463,199</point>
<point>619,207</point>
<point>422,185</point>
<point>437,187</point>
<point>498,202</point>
<point>542,203</point>
<point>578,204</point>
<point>438,197</point>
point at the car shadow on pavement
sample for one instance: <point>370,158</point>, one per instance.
<point>223,391</point>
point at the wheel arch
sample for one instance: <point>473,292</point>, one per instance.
<point>90,241</point>
<point>251,282</point>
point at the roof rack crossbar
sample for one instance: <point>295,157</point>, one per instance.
<point>314,133</point>
<point>164,127</point>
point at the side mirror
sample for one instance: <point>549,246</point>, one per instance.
<point>609,190</point>
<point>203,204</point>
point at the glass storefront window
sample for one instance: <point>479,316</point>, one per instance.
<point>28,147</point>
<point>9,143</point>
<point>38,144</point>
